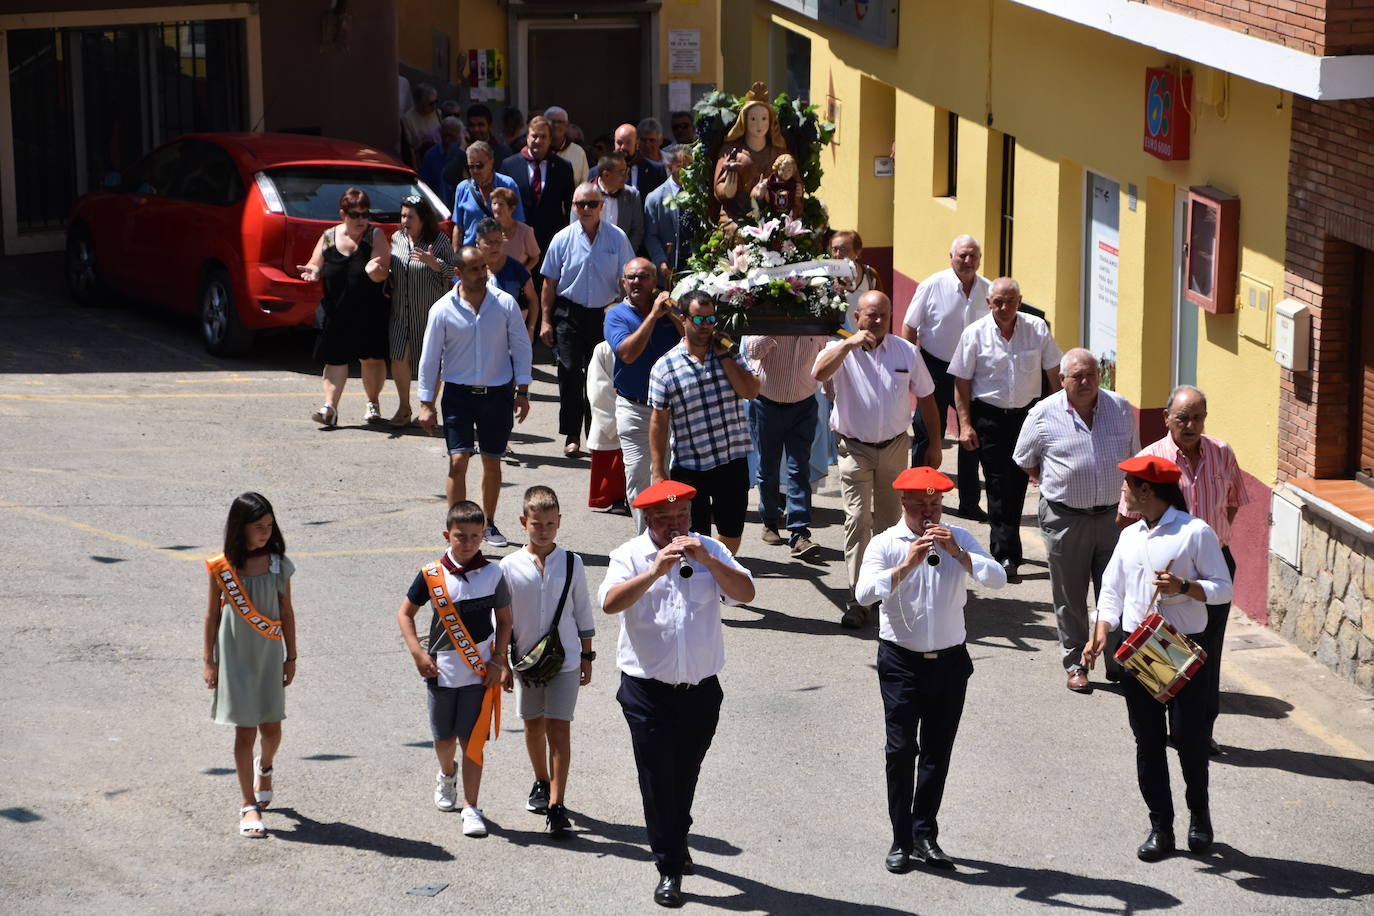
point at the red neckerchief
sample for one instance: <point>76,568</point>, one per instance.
<point>536,180</point>
<point>476,563</point>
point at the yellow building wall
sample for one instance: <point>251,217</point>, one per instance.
<point>704,16</point>
<point>416,23</point>
<point>1074,100</point>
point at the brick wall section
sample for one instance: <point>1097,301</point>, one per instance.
<point>1323,27</point>
<point>1330,182</point>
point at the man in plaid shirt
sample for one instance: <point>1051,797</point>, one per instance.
<point>697,390</point>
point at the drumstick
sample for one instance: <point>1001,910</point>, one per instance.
<point>1153,600</point>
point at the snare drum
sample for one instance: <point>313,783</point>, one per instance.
<point>1160,657</point>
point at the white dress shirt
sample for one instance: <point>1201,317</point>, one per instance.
<point>486,347</point>
<point>673,632</point>
<point>534,602</point>
<point>1078,464</point>
<point>925,612</point>
<point>1128,581</point>
<point>1005,373</point>
<point>939,310</point>
<point>871,388</point>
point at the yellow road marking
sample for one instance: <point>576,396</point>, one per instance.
<point>1254,685</point>
<point>202,381</point>
<point>164,395</point>
<point>99,532</point>
<point>365,551</point>
<point>32,382</point>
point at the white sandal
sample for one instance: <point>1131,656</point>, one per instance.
<point>326,416</point>
<point>252,831</point>
<point>263,796</point>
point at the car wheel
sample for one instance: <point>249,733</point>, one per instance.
<point>83,274</point>
<point>220,325</point>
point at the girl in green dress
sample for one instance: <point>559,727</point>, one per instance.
<point>250,646</point>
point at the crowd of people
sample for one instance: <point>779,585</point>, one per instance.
<point>577,252</point>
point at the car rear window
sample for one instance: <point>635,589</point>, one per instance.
<point>313,193</point>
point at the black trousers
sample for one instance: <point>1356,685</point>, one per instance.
<point>1211,640</point>
<point>1188,722</point>
<point>577,330</point>
<point>671,730</point>
<point>920,438</point>
<point>923,701</point>
<point>997,430</point>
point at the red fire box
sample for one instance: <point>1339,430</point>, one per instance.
<point>1168,124</point>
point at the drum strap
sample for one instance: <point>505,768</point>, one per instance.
<point>228,581</point>
<point>489,717</point>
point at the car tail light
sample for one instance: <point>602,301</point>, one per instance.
<point>268,190</point>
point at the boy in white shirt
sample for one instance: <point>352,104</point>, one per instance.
<point>548,585</point>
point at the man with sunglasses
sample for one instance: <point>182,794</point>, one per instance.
<point>680,122</point>
<point>581,269</point>
<point>697,390</point>
<point>640,329</point>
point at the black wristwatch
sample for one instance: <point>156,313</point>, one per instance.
<point>1183,588</point>
<point>589,656</point>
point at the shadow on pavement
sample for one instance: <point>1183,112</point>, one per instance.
<point>757,897</point>
<point>1253,704</point>
<point>1304,763</point>
<point>997,622</point>
<point>1287,878</point>
<point>604,838</point>
<point>1051,887</point>
<point>337,833</point>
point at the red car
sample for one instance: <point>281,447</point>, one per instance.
<point>217,224</point>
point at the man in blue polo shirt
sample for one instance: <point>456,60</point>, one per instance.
<point>639,329</point>
<point>583,263</point>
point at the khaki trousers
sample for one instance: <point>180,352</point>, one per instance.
<point>870,503</point>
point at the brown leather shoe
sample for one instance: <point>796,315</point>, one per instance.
<point>1078,681</point>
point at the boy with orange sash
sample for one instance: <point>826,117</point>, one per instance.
<point>463,660</point>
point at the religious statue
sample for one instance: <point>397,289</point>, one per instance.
<point>751,146</point>
<point>779,193</point>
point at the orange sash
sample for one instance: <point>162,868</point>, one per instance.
<point>228,581</point>
<point>489,717</point>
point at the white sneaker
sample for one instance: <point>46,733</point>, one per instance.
<point>473,823</point>
<point>446,791</point>
<point>374,413</point>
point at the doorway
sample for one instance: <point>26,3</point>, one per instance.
<point>595,68</point>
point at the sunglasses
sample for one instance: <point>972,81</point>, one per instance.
<point>637,276</point>
<point>699,320</point>
<point>679,125</point>
<point>587,204</point>
<point>477,165</point>
<point>357,214</point>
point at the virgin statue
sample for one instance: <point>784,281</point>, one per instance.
<point>747,155</point>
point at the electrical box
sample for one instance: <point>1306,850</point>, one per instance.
<point>1285,533</point>
<point>1292,335</point>
<point>1256,305</point>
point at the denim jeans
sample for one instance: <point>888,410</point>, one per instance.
<point>785,430</point>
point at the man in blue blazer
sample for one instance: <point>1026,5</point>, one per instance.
<point>666,239</point>
<point>544,180</point>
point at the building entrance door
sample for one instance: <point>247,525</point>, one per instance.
<point>595,68</point>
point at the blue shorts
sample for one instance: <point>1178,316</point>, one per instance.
<point>491,414</point>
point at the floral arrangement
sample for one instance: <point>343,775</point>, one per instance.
<point>745,270</point>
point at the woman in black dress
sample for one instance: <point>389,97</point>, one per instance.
<point>353,260</point>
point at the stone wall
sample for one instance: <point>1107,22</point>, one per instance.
<point>1326,608</point>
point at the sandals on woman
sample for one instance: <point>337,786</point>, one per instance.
<point>326,416</point>
<point>254,831</point>
<point>263,796</point>
<point>403,418</point>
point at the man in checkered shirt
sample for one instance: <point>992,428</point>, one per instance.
<point>697,391</point>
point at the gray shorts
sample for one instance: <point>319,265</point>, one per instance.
<point>453,710</point>
<point>555,700</point>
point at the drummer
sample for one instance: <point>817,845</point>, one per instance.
<point>1177,557</point>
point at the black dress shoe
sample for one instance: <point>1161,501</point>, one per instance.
<point>898,860</point>
<point>1200,832</point>
<point>1213,749</point>
<point>688,866</point>
<point>1157,845</point>
<point>973,514</point>
<point>669,891</point>
<point>930,852</point>
<point>1009,567</point>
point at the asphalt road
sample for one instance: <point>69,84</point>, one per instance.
<point>121,446</point>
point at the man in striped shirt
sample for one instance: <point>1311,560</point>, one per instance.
<point>1212,484</point>
<point>1070,445</point>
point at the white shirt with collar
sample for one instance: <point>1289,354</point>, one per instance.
<point>1128,582</point>
<point>925,611</point>
<point>610,206</point>
<point>673,632</point>
<point>1005,373</point>
<point>534,603</point>
<point>488,346</point>
<point>870,389</point>
<point>939,310</point>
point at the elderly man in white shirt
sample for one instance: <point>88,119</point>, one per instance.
<point>996,369</point>
<point>874,375</point>
<point>944,304</point>
<point>919,569</point>
<point>667,586</point>
<point>1178,557</point>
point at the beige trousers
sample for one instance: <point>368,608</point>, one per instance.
<point>870,503</point>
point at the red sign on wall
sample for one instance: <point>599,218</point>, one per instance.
<point>1168,123</point>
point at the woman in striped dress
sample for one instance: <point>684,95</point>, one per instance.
<point>422,271</point>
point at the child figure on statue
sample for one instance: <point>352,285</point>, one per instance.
<point>779,193</point>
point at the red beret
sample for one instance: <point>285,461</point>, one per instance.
<point>663,492</point>
<point>1152,468</point>
<point>923,478</point>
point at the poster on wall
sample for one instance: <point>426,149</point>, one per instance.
<point>1102,267</point>
<point>684,50</point>
<point>486,75</point>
